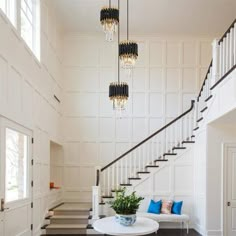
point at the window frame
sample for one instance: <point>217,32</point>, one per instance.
<point>4,125</point>
<point>16,22</point>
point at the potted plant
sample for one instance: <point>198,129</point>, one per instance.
<point>125,207</point>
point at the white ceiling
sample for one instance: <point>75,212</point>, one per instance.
<point>152,17</point>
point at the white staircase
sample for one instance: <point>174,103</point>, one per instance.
<point>139,162</point>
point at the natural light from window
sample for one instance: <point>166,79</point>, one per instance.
<point>9,8</point>
<point>30,24</point>
<point>16,165</point>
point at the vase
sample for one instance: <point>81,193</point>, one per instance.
<point>125,220</point>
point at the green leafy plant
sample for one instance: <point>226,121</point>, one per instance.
<point>125,204</point>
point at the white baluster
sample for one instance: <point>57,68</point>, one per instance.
<point>134,163</point>
<point>226,53</point>
<point>220,64</point>
<point>235,44</point>
<point>130,164</point>
<point>108,181</point>
<point>121,171</point>
<point>139,159</point>
<point>126,169</point>
<point>231,40</point>
<point>113,176</point>
<point>117,175</point>
<point>223,57</point>
<point>104,182</point>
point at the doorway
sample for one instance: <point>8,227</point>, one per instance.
<point>229,189</point>
<point>15,179</point>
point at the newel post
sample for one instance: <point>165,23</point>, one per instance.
<point>215,62</point>
<point>96,194</point>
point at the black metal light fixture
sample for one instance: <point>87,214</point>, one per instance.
<point>119,91</point>
<point>109,18</point>
<point>128,49</point>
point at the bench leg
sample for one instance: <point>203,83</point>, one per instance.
<point>187,227</point>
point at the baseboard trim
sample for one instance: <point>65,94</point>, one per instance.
<point>214,233</point>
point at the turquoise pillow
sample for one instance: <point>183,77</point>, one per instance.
<point>154,207</point>
<point>176,208</point>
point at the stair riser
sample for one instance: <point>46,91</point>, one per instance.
<point>65,231</point>
<point>81,212</point>
<point>69,221</point>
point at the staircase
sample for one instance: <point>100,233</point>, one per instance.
<point>139,162</point>
<point>69,218</point>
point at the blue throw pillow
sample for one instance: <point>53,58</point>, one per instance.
<point>176,208</point>
<point>154,207</point>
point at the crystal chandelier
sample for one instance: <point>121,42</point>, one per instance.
<point>118,94</point>
<point>119,91</point>
<point>128,49</point>
<point>109,18</point>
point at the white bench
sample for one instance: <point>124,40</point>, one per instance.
<point>184,219</point>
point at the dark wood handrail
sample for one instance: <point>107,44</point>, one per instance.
<point>227,31</point>
<point>223,77</point>
<point>149,137</point>
<point>208,70</point>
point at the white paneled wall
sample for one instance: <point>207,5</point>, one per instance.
<point>26,97</point>
<point>173,180</point>
<point>168,74</point>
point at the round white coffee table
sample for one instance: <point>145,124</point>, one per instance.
<point>142,226</point>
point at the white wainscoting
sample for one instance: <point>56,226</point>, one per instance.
<point>27,88</point>
<point>168,74</point>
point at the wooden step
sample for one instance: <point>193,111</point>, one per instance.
<point>200,119</point>
<point>204,109</point>
<point>73,209</point>
<point>209,98</point>
<point>178,148</point>
<point>125,184</point>
<point>134,178</point>
<point>188,142</point>
<point>196,128</point>
<point>170,154</point>
<point>69,219</point>
<point>107,197</point>
<point>152,166</point>
<point>114,190</point>
<point>143,172</point>
<point>160,160</point>
<point>66,229</point>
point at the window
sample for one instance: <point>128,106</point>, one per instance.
<point>30,24</point>
<point>9,8</point>
<point>16,187</point>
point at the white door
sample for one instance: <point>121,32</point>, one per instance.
<point>231,192</point>
<point>15,180</point>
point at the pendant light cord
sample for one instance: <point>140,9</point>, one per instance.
<point>109,3</point>
<point>118,44</point>
<point>127,20</point>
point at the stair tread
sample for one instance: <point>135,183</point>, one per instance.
<point>152,166</point>
<point>160,160</point>
<point>67,226</point>
<point>178,148</point>
<point>169,154</point>
<point>188,142</point>
<point>74,207</point>
<point>70,217</point>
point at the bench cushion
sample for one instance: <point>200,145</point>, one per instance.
<point>164,217</point>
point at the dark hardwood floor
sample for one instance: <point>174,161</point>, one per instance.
<point>161,232</point>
